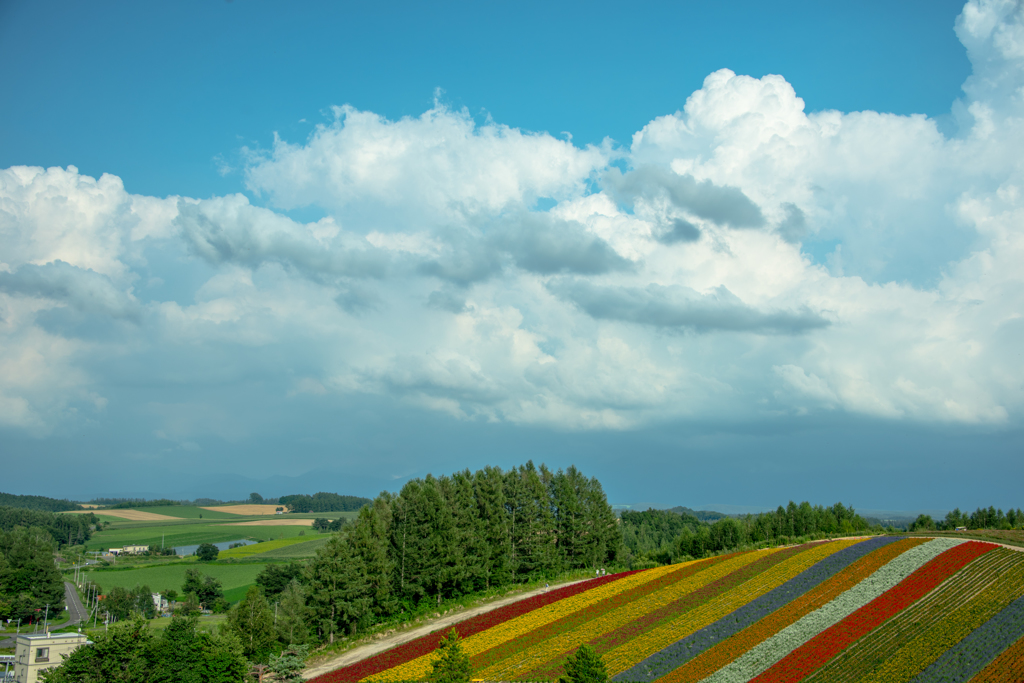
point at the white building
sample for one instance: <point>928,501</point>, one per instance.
<point>34,652</point>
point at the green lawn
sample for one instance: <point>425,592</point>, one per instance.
<point>234,578</point>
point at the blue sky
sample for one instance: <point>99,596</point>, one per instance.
<point>712,253</point>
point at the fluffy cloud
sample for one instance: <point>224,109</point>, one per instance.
<point>742,259</point>
<point>438,167</point>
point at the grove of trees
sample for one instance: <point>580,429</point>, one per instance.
<point>29,580</point>
<point>443,537</point>
<point>63,529</point>
<point>323,502</point>
<point>37,503</point>
<point>981,518</point>
<point>663,536</point>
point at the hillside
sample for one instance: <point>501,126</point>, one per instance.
<point>881,608</point>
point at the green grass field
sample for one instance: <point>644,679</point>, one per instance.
<point>261,548</point>
<point>234,578</point>
<point>187,512</point>
<point>189,533</point>
<point>295,552</point>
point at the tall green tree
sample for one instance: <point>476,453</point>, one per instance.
<point>293,616</point>
<point>253,623</point>
<point>339,591</point>
<point>489,492</point>
<point>185,654</point>
<point>29,580</point>
<point>451,663</point>
<point>584,667</point>
<point>206,588</point>
<point>368,537</point>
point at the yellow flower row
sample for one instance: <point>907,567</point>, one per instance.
<point>882,642</point>
<point>914,657</point>
<point>416,670</point>
<point>625,656</point>
<point>530,658</point>
<point>712,660</point>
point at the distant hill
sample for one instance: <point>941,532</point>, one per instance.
<point>37,503</point>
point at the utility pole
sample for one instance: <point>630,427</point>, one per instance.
<point>46,617</point>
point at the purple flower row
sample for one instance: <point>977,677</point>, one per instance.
<point>961,662</point>
<point>677,654</point>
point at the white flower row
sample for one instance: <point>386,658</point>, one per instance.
<point>765,654</point>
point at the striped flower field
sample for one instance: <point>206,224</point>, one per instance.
<point>876,609</point>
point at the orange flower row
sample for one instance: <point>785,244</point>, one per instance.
<point>530,657</point>
<point>887,640</point>
<point>715,658</point>
<point>654,641</point>
<point>416,670</point>
<point>1006,668</point>
<point>955,625</point>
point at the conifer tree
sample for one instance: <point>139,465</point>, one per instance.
<point>253,623</point>
<point>451,663</point>
<point>584,667</point>
<point>339,592</point>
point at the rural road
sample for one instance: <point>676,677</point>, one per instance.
<point>76,611</point>
<point>371,648</point>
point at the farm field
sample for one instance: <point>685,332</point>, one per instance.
<point>188,532</point>
<point>234,578</point>
<point>297,545</point>
<point>875,609</point>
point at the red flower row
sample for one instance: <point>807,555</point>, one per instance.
<point>428,643</point>
<point>570,621</point>
<point>816,652</point>
<point>648,622</point>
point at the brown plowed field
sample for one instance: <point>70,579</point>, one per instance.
<point>246,509</point>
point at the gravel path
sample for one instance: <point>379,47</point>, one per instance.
<point>379,645</point>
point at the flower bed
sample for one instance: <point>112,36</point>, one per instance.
<point>892,638</point>
<point>500,625</point>
<point>872,555</point>
<point>882,609</point>
<point>643,656</point>
<point>678,653</point>
<point>1006,667</point>
<point>535,653</point>
<point>968,638</point>
<point>814,653</point>
<point>509,648</point>
<point>767,653</point>
<point>427,644</point>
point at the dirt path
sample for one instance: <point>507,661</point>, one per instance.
<point>374,647</point>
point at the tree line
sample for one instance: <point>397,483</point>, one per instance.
<point>448,536</point>
<point>981,518</point>
<point>322,502</point>
<point>37,503</point>
<point>63,529</point>
<point>29,580</point>
<point>664,536</point>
